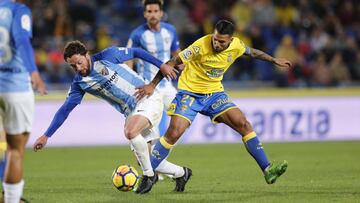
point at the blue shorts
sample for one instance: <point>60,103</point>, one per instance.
<point>187,104</point>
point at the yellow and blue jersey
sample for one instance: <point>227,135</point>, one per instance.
<point>204,68</point>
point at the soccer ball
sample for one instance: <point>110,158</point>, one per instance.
<point>124,178</point>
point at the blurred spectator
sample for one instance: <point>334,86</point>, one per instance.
<point>286,50</point>
<point>340,73</point>
<point>318,29</point>
<point>321,71</point>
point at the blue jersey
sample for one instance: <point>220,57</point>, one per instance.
<point>16,53</point>
<point>109,80</point>
<point>160,44</point>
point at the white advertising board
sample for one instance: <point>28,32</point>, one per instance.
<point>278,119</point>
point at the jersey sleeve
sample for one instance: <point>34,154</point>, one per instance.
<point>22,32</point>
<point>74,98</point>
<point>115,55</point>
<point>175,45</point>
<point>22,23</point>
<point>191,53</point>
<point>243,49</point>
<point>134,40</point>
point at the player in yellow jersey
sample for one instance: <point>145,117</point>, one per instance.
<point>201,91</point>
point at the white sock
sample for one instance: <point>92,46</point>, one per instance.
<point>169,168</point>
<point>13,192</point>
<point>141,150</point>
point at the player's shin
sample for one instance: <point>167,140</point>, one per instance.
<point>160,152</point>
<point>142,153</point>
<point>254,147</point>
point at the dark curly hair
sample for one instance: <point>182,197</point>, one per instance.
<point>74,47</point>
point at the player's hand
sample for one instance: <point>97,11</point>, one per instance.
<point>168,71</point>
<point>37,83</point>
<point>40,143</point>
<point>144,91</point>
<point>283,63</point>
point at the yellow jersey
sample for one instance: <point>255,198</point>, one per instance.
<point>204,68</point>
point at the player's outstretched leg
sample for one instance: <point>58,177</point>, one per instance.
<point>274,171</point>
<point>254,147</point>
<point>145,184</point>
<point>181,181</point>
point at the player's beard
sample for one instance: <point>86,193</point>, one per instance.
<point>154,21</point>
<point>85,73</point>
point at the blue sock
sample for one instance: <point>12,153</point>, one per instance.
<point>163,124</point>
<point>254,147</point>
<point>160,152</point>
<point>2,169</point>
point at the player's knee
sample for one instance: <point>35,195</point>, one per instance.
<point>173,134</point>
<point>244,126</point>
<point>129,133</point>
<point>15,154</point>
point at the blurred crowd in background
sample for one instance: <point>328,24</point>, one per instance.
<point>320,37</point>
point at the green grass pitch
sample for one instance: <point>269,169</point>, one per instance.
<point>317,172</point>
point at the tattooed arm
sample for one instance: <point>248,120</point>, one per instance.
<point>258,54</point>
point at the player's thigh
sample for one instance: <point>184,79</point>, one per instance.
<point>17,141</point>
<point>185,106</point>
<point>17,113</point>
<point>216,105</point>
<point>151,108</point>
<point>233,117</point>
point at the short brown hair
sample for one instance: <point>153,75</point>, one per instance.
<point>147,2</point>
<point>74,47</point>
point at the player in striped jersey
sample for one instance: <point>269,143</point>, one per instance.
<point>161,40</point>
<point>18,74</point>
<point>105,76</point>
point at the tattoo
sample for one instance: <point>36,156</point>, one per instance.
<point>174,61</point>
<point>158,77</point>
<point>255,53</point>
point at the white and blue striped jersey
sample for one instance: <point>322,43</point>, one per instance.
<point>15,25</point>
<point>160,44</point>
<point>109,79</point>
<point>115,83</point>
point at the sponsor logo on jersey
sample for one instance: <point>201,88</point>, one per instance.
<point>187,54</point>
<point>107,84</point>
<point>196,49</point>
<point>211,61</point>
<point>215,73</point>
<point>104,71</point>
<point>26,23</point>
